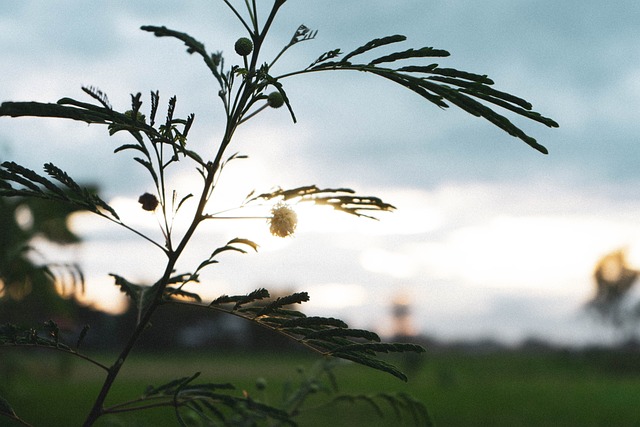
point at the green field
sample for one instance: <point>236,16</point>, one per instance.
<point>460,389</point>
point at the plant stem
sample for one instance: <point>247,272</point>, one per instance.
<point>98,407</point>
<point>212,168</point>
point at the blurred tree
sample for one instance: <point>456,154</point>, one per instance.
<point>22,279</point>
<point>613,300</point>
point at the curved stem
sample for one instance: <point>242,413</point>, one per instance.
<point>150,240</point>
<point>69,352</point>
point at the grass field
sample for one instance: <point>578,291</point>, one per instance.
<point>460,389</point>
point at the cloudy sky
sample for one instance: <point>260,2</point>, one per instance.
<point>490,238</point>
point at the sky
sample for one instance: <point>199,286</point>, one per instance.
<point>490,238</point>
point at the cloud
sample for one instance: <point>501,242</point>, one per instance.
<point>479,212</point>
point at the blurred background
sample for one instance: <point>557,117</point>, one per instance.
<point>492,246</point>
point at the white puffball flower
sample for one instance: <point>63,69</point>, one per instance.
<point>283,221</point>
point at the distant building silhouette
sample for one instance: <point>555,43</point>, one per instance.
<point>402,317</point>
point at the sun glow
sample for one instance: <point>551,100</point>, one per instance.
<point>101,294</point>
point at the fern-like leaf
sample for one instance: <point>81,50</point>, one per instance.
<point>240,300</point>
<point>171,292</point>
<point>296,298</point>
<point>38,109</point>
<point>440,86</point>
<point>325,57</point>
<point>141,295</point>
<point>424,52</point>
<point>193,45</point>
<point>374,44</point>
<point>61,176</point>
<point>207,399</point>
<point>328,336</point>
<point>98,95</point>
<point>341,199</point>
<point>400,403</point>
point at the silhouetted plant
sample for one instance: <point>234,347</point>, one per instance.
<point>613,302</point>
<point>245,90</point>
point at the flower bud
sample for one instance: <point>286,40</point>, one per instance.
<point>275,100</point>
<point>148,201</point>
<point>243,46</point>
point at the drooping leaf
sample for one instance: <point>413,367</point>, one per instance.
<point>193,45</point>
<point>34,178</point>
<point>141,295</point>
<point>451,88</point>
<point>275,83</point>
<point>372,362</point>
<point>231,246</point>
<point>210,399</point>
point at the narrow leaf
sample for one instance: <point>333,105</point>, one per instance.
<point>374,44</point>
<point>411,53</point>
<point>296,298</point>
<point>315,321</point>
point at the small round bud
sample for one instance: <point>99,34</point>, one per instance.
<point>148,201</point>
<point>275,100</point>
<point>243,46</point>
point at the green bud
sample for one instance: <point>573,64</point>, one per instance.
<point>275,100</point>
<point>243,46</point>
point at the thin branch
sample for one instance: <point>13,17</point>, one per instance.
<point>63,350</point>
<point>233,9</point>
